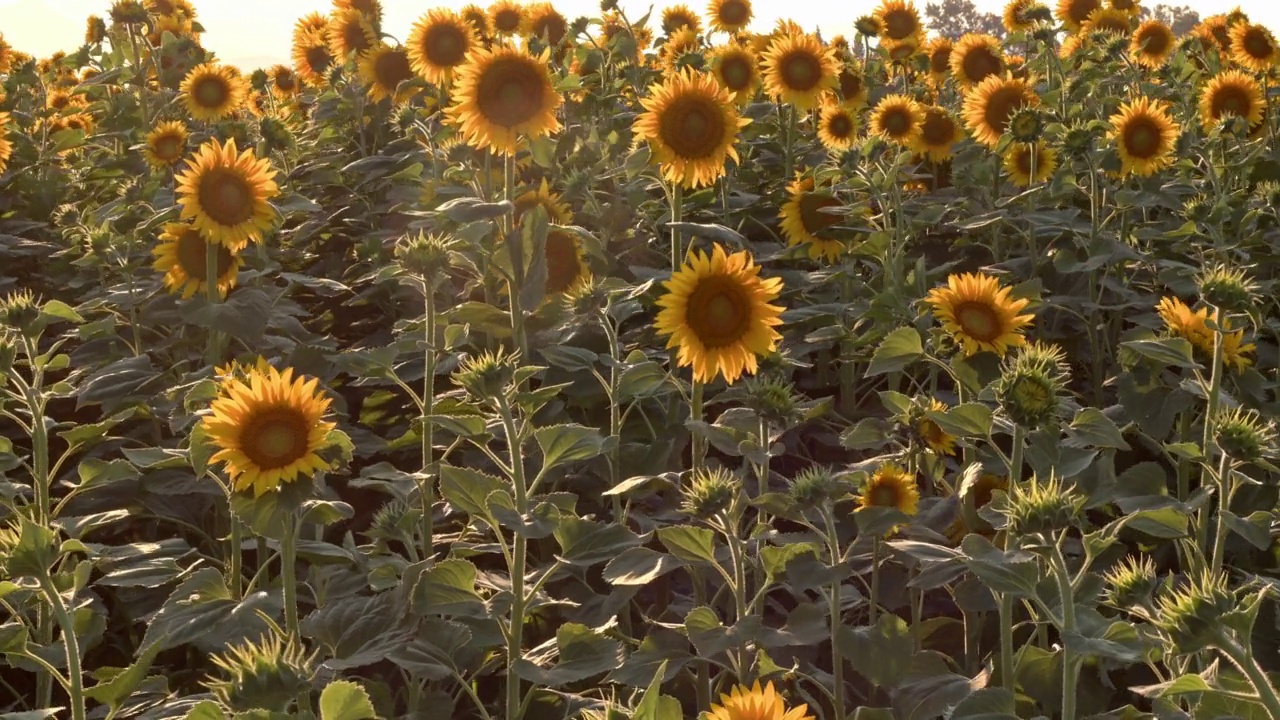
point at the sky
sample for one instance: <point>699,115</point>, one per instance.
<point>256,33</point>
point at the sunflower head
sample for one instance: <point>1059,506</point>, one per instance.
<point>925,431</point>
<point>224,192</point>
<point>1030,163</point>
<point>939,133</point>
<point>385,70</point>
<point>128,12</point>
<point>1108,21</point>
<point>182,255</point>
<point>545,23</point>
<point>979,314</point>
<point>990,104</point>
<point>1232,93</point>
<point>351,32</point>
<point>1031,385</point>
<point>815,486</point>
<point>1152,44</point>
<point>1191,615</point>
<point>853,86</point>
<point>837,126</point>
<point>737,70</point>
<point>488,376</point>
<point>804,222</point>
<point>756,703</point>
<point>1015,17</point>
<point>212,92</point>
<point>558,211</point>
<point>1244,435</point>
<point>1144,135</point>
<point>729,16</point>
<point>682,49</point>
<point>867,25</point>
<point>166,144</point>
<point>799,70</point>
<point>425,256</point>
<point>20,310</point>
<point>263,675</point>
<point>1254,47</point>
<point>1227,287</point>
<point>710,493</point>
<point>691,125</point>
<point>678,17</point>
<point>1073,13</point>
<point>890,487</point>
<point>311,55</point>
<point>975,58</point>
<point>939,50</point>
<point>898,119</point>
<point>1132,582</point>
<point>1042,507</point>
<point>503,94</point>
<point>717,312</point>
<point>507,17</point>
<point>772,399</point>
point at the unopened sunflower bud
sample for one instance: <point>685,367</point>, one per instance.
<point>264,675</point>
<point>1244,436</point>
<point>709,493</point>
<point>815,486</point>
<point>426,256</point>
<point>1131,583</point>
<point>1038,507</point>
<point>1030,385</point>
<point>487,376</point>
<point>20,311</point>
<point>867,25</point>
<point>771,399</point>
<point>1191,615</point>
<point>1026,125</point>
<point>1227,288</point>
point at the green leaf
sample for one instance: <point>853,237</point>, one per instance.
<point>585,543</point>
<point>449,588</point>
<point>639,566</point>
<point>468,489</point>
<point>562,444</point>
<point>579,652</point>
<point>1256,528</point>
<point>1093,429</point>
<point>470,209</point>
<point>1181,685</point>
<point>775,558</point>
<point>689,543</point>
<point>205,710</point>
<point>898,350</point>
<point>1167,523</point>
<point>654,705</point>
<point>1166,351</point>
<point>115,691</point>
<point>711,231</point>
<point>967,420</point>
<point>202,612</point>
<point>987,704</point>
<point>62,311</point>
<point>1009,572</point>
<point>570,358</point>
<point>643,379</point>
<point>881,653</point>
<point>345,700</point>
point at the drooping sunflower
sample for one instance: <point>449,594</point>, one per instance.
<point>1152,44</point>
<point>501,94</point>
<point>211,92</point>
<point>165,145</point>
<point>565,258</point>
<point>799,70</point>
<point>269,429</point>
<point>1073,13</point>
<point>439,43</point>
<point>898,118</point>
<point>678,17</point>
<point>976,58</point>
<point>931,434</point>
<point>729,16</point>
<point>1231,93</point>
<point>1254,47</point>
<point>546,23</point>
<point>837,126</point>
<point>507,17</point>
<point>890,487</point>
<point>691,125</point>
<point>803,223</point>
<point>224,193</point>
<point>939,52</point>
<point>989,105</point>
<point>351,32</point>
<point>1144,135</point>
<point>1015,17</point>
<point>182,255</point>
<point>1106,20</point>
<point>899,20</point>
<point>717,312</point>
<point>1018,161</point>
<point>755,703</point>
<point>853,86</point>
<point>736,69</point>
<point>383,68</point>
<point>939,133</point>
<point>558,211</point>
<point>311,56</point>
<point>979,314</point>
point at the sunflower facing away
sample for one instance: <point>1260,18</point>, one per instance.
<point>224,192</point>
<point>1254,47</point>
<point>478,19</point>
<point>803,221</point>
<point>898,119</point>
<point>737,70</point>
<point>350,32</point>
<point>837,126</point>
<point>717,312</point>
<point>1192,325</point>
<point>975,58</point>
<point>932,435</point>
<point>371,9</point>
<point>211,92</point>
<point>311,56</point>
<point>755,703</point>
<point>507,17</point>
<point>691,125</point>
<point>979,314</point>
<point>1144,135</point>
<point>1152,44</point>
<point>798,70</point>
<point>383,68</point>
<point>182,256</point>
<point>558,211</point>
<point>938,134</point>
<point>899,20</point>
<point>502,94</point>
<point>1018,161</point>
<point>284,81</point>
<point>438,43</point>
<point>166,144</point>
<point>989,105</point>
<point>268,429</point>
<point>1073,13</point>
<point>890,487</point>
<point>1231,93</point>
<point>729,16</point>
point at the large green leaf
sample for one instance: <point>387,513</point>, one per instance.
<point>345,700</point>
<point>585,543</point>
<point>898,350</point>
<point>578,653</point>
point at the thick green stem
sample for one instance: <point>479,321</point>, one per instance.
<point>1211,411</point>
<point>677,212</point>
<point>835,611</point>
<point>235,576</point>
<point>695,414</point>
<point>874,608</point>
<point>214,348</point>
<point>1226,489</point>
<point>75,681</point>
<point>1242,657</point>
<point>289,574</point>
<point>427,489</point>
<point>789,160</point>
<point>1006,599</point>
<point>1069,673</point>
<point>518,261</point>
<point>737,554</point>
<point>515,633</point>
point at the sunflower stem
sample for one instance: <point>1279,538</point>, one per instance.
<point>1226,489</point>
<point>289,573</point>
<point>1242,657</point>
<point>1006,599</point>
<point>71,643</point>
<point>427,489</point>
<point>834,612</point>
<point>789,160</point>
<point>214,349</point>
<point>677,212</point>
<point>515,633</point>
<point>515,249</point>
<point>1069,673</point>
<point>234,573</point>
<point>1211,410</point>
<point>875,580</point>
<point>695,414</point>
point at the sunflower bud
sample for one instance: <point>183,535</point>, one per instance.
<point>1078,140</point>
<point>8,352</point>
<point>709,493</point>
<point>1197,208</point>
<point>1026,125</point>
<point>95,30</point>
<point>1267,195</point>
<point>771,399</point>
<point>1131,583</point>
<point>487,376</point>
<point>867,26</point>
<point>1030,384</point>
<point>815,486</point>
<point>1192,614</point>
<point>578,26</point>
<point>608,5</point>
<point>1038,13</point>
<point>275,134</point>
<point>21,312</point>
<point>1227,288</point>
<point>587,297</point>
<point>390,519</point>
<point>266,675</point>
<point>426,256</point>
<point>1041,507</point>
<point>128,12</point>
<point>1244,436</point>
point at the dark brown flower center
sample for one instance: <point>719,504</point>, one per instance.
<point>275,437</point>
<point>192,255</point>
<point>1155,41</point>
<point>883,495</point>
<point>211,92</point>
<point>354,37</point>
<point>551,26</point>
<point>800,70</point>
<point>978,320</point>
<point>1000,105</point>
<point>850,84</point>
<point>840,126</point>
<point>719,312</point>
<point>979,63</point>
<point>507,20</point>
<point>811,215</point>
<point>318,58</point>
<point>938,129</point>
<point>510,92</point>
<point>733,13</point>
<point>900,23</point>
<point>940,61</point>
<point>225,196</point>
<point>444,45</point>
<point>167,147</point>
<point>737,72</point>
<point>1257,44</point>
<point>896,121</point>
<point>392,68</point>
<point>1142,138</point>
<point>1079,10</point>
<point>692,126</point>
<point>563,264</point>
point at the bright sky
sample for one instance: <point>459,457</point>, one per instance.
<point>254,33</point>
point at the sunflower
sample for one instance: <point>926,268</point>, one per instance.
<point>1132,8</point>
<point>566,264</point>
<point>1192,326</point>
<point>938,134</point>
<point>677,45</point>
<point>979,314</point>
<point>755,703</point>
<point>901,52</point>
<point>284,81</point>
<point>736,69</point>
<point>439,43</point>
<point>478,19</point>
<point>939,52</point>
<point>679,17</point>
<point>312,22</point>
<point>729,16</point>
<point>802,220</point>
<point>558,211</point>
<point>717,313</point>
<point>383,68</point>
<point>1073,13</point>
<point>503,93</point>
<point>507,17</point>
<point>6,147</point>
<point>268,429</point>
<point>989,105</point>
<point>691,125</point>
<point>975,58</point>
<point>1144,135</point>
<point>899,20</point>
<point>1015,17</point>
<point>853,86</point>
<point>350,33</point>
<point>212,92</point>
<point>1214,32</point>
<point>983,491</point>
<point>371,9</point>
<point>166,144</point>
<point>1106,20</point>
<point>1231,93</point>
<point>311,56</point>
<point>799,70</point>
<point>182,256</point>
<point>931,434</point>
<point>224,193</point>
<point>1017,162</point>
<point>546,23</point>
<point>1152,44</point>
<point>890,487</point>
<point>898,118</point>
<point>1254,47</point>
<point>837,126</point>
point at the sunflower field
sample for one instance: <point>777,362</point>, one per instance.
<point>642,367</point>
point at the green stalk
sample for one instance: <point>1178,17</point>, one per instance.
<point>214,348</point>
<point>736,553</point>
<point>1242,657</point>
<point>40,485</point>
<point>1211,411</point>
<point>517,259</point>
<point>515,634</point>
<point>1006,599</point>
<point>615,415</point>
<point>677,212</point>
<point>427,489</point>
<point>289,573</point>
<point>75,680</point>
<point>1226,489</point>
<point>875,580</point>
<point>834,612</point>
<point>1068,626</point>
<point>695,413</point>
<point>789,160</point>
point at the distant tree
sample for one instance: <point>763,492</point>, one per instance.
<point>955,18</point>
<point>1178,17</point>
